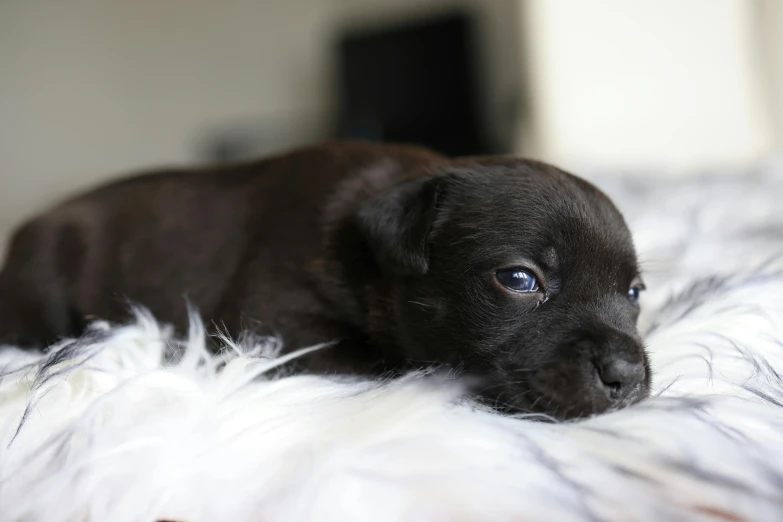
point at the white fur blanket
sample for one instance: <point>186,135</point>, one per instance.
<point>129,424</point>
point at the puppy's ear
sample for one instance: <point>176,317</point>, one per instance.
<point>396,225</point>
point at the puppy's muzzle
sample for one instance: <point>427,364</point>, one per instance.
<point>618,371</point>
<point>622,381</point>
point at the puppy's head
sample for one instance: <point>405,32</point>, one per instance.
<point>517,274</point>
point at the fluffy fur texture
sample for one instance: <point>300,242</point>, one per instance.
<point>130,424</point>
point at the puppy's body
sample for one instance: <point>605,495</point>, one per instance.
<point>394,251</point>
<point>243,244</point>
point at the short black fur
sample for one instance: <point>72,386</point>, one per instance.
<point>392,250</point>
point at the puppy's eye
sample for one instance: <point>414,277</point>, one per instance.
<point>633,294</point>
<point>517,280</point>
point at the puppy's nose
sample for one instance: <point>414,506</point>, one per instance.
<point>620,378</point>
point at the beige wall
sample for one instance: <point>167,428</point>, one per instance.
<point>768,18</point>
<point>661,84</point>
<point>91,89</point>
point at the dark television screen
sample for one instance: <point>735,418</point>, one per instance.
<point>412,83</point>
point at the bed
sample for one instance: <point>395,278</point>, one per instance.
<point>131,423</point>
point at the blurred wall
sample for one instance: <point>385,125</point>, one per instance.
<point>90,90</point>
<point>665,85</point>
<point>768,19</point>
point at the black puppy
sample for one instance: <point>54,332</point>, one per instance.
<point>507,270</point>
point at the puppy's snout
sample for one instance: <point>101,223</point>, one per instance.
<point>620,379</point>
